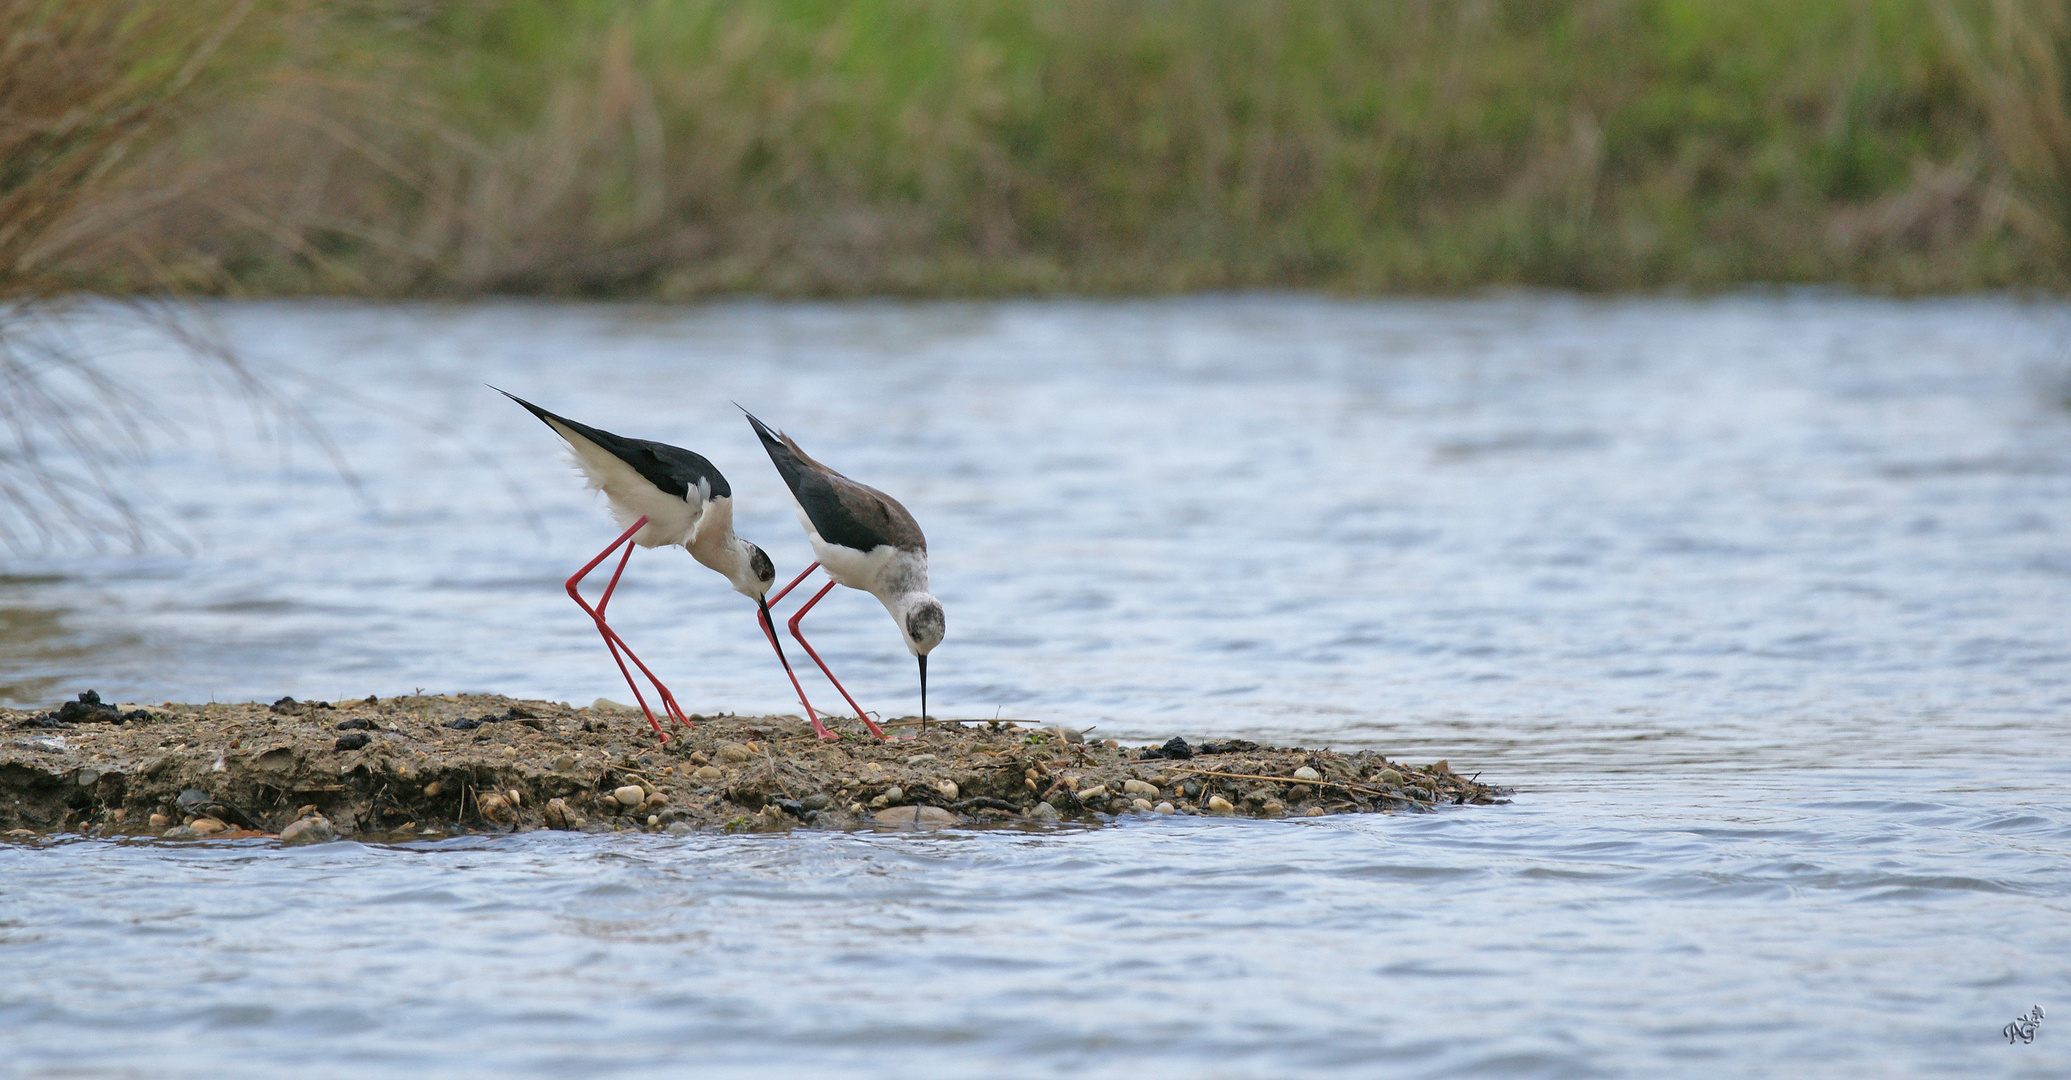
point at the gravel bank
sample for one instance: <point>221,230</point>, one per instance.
<point>429,765</point>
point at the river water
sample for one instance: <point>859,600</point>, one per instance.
<point>1760,604</point>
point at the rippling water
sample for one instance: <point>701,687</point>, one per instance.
<point>1760,603</point>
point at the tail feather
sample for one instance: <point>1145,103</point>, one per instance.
<point>783,453</point>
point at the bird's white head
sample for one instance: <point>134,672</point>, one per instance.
<point>749,569</point>
<point>920,622</point>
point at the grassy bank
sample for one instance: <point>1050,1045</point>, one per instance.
<point>674,148</point>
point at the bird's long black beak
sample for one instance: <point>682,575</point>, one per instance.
<point>924,688</point>
<point>769,627</point>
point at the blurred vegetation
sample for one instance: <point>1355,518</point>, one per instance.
<point>95,99</point>
<point>672,148</point>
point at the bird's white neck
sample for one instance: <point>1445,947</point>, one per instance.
<point>714,544</point>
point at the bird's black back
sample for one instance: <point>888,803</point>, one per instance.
<point>842,511</point>
<point>673,469</point>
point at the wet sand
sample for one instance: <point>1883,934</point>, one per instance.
<point>431,765</point>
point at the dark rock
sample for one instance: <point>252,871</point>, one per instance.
<point>192,800</point>
<point>815,802</point>
<point>356,724</point>
<point>471,723</point>
<point>791,807</point>
<point>87,710</point>
<point>287,705</point>
<point>353,741</point>
<point>1175,748</point>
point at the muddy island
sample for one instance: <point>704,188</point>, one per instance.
<point>405,768</point>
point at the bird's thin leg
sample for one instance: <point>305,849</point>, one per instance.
<point>786,590</point>
<point>769,629</point>
<point>615,643</point>
<point>793,624</point>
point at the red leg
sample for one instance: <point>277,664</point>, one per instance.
<point>786,590</point>
<point>793,624</point>
<point>769,630</point>
<point>615,643</point>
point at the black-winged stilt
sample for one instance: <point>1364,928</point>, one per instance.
<point>865,540</point>
<point>670,496</point>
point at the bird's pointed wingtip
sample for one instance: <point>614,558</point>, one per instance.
<point>544,416</point>
<point>761,429</point>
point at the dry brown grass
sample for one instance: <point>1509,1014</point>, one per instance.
<point>93,96</point>
<point>2016,57</point>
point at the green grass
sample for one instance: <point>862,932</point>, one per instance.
<point>673,148</point>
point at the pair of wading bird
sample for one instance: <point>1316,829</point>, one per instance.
<point>666,495</point>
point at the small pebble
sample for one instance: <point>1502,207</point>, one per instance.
<point>1142,804</point>
<point>814,802</point>
<point>1219,804</point>
<point>709,772</point>
<point>494,807</point>
<point>653,820</point>
<point>734,751</point>
<point>680,828</point>
<point>1165,808</point>
<point>180,832</point>
<point>314,829</point>
<point>207,826</point>
<point>1306,773</point>
<point>431,790</point>
<point>923,817</point>
<point>630,795</point>
<point>918,758</point>
<point>1273,806</point>
<point>558,816</point>
<point>158,821</point>
<point>893,794</point>
<point>1097,791</point>
<point>564,763</point>
<point>1138,787</point>
<point>1390,777</point>
<point>1314,811</point>
<point>948,789</point>
<point>1044,812</point>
